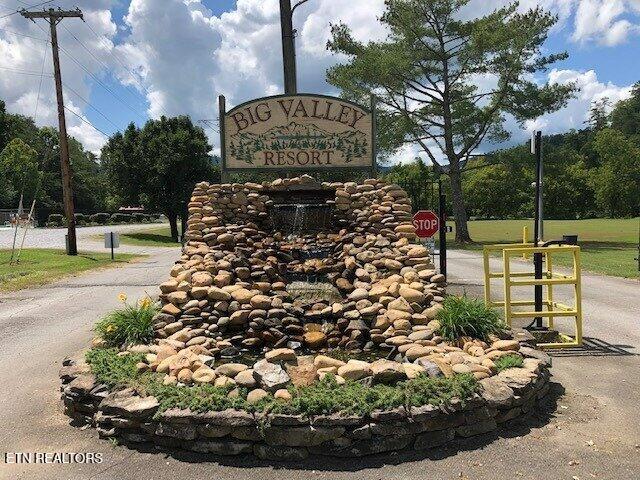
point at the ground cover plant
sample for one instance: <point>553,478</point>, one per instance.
<point>509,361</point>
<point>323,397</point>
<point>468,317</point>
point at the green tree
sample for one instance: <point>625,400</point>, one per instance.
<point>124,166</point>
<point>499,190</point>
<point>19,170</point>
<point>625,116</point>
<point>617,180</point>
<point>158,166</point>
<point>425,73</point>
<point>598,114</point>
<point>176,153</point>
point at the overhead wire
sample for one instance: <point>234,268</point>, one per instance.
<point>26,72</point>
<point>44,60</point>
<point>85,121</point>
<point>134,77</point>
<point>26,7</point>
<point>96,79</point>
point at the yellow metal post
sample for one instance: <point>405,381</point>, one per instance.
<point>487,276</point>
<point>578,290</point>
<point>525,237</point>
<point>549,265</point>
<point>507,287</point>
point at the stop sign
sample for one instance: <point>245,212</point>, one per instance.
<point>426,222</point>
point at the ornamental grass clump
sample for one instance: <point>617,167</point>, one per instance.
<point>467,317</point>
<point>130,325</point>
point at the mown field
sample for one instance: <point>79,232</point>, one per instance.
<point>150,237</point>
<point>41,266</point>
<point>609,246</point>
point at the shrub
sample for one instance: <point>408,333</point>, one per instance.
<point>509,361</point>
<point>130,325</point>
<point>100,218</point>
<point>81,219</point>
<point>120,218</point>
<point>138,217</point>
<point>462,316</point>
<point>55,220</point>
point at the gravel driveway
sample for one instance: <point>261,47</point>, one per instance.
<point>55,237</point>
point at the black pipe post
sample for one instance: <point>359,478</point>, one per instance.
<point>537,257</point>
<point>442,234</point>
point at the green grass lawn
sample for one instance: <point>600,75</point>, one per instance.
<point>40,266</point>
<point>151,237</point>
<point>609,246</point>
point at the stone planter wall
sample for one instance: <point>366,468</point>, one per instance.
<point>508,396</point>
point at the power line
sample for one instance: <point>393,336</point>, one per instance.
<point>26,72</point>
<point>13,32</point>
<point>29,6</point>
<point>44,60</point>
<point>90,105</point>
<point>102,39</point>
<point>87,49</point>
<point>95,78</point>
<point>85,121</point>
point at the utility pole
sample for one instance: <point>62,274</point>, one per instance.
<point>289,46</point>
<point>54,17</point>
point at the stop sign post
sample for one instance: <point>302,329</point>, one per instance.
<point>426,223</point>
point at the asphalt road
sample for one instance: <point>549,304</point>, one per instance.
<point>594,432</point>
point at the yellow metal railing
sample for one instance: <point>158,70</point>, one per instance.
<point>551,308</point>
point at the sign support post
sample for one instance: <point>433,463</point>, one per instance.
<point>536,147</point>
<point>442,236</point>
<point>374,144</point>
<point>222,109</point>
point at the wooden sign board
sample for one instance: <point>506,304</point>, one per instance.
<point>303,132</point>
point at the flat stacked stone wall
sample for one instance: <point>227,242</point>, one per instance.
<point>507,397</point>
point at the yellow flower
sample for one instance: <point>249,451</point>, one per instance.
<point>122,297</point>
<point>145,302</point>
<point>111,328</point>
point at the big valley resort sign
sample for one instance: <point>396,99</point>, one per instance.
<point>298,132</point>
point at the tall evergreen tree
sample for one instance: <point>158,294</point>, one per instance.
<point>425,77</point>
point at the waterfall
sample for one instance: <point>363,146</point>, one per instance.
<point>299,218</point>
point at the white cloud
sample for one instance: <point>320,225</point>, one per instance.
<point>576,113</point>
<point>603,21</point>
<point>24,45</point>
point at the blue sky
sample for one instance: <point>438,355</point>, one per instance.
<point>184,53</point>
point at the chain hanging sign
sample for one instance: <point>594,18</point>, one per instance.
<point>303,132</point>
